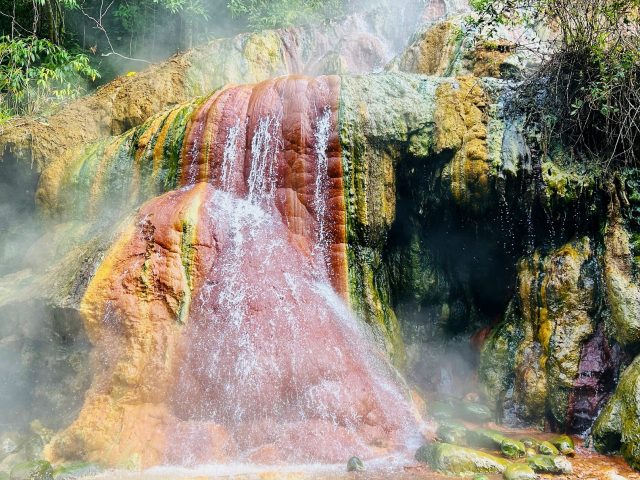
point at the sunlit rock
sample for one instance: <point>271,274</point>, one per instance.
<point>550,464</point>
<point>519,471</point>
<point>456,460</point>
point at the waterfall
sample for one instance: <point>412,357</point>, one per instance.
<point>321,134</point>
<point>253,362</point>
<point>265,145</point>
<point>230,156</point>
<point>267,363</point>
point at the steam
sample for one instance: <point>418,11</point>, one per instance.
<point>380,28</point>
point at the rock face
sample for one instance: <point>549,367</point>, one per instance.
<point>618,426</point>
<point>552,317</point>
<point>291,118</point>
<point>185,270</point>
<point>207,260</point>
<point>196,361</point>
<point>312,161</point>
<point>621,281</point>
<point>358,44</point>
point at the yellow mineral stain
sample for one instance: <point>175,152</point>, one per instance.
<point>461,127</point>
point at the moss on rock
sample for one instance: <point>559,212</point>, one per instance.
<point>456,460</point>
<point>618,426</point>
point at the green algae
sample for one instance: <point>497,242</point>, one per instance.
<point>537,348</point>
<point>389,107</point>
<point>456,460</point>
<point>547,448</point>
<point>564,444</point>
<point>496,369</point>
<point>519,471</point>
<point>187,256</point>
<point>355,465</point>
<point>118,174</point>
<point>35,470</point>
<point>452,432</point>
<point>549,464</point>
<point>485,438</point>
<point>511,448</point>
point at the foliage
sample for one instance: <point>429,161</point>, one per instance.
<point>285,13</point>
<point>50,48</point>
<point>587,88</point>
<point>35,72</point>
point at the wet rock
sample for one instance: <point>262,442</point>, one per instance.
<point>621,282</point>
<point>10,442</point>
<point>461,126</point>
<point>496,370</point>
<point>512,448</point>
<point>475,412</point>
<point>441,410</point>
<point>600,363</point>
<point>564,444</point>
<point>618,426</point>
<point>355,465</point>
<point>550,464</point>
<point>530,442</point>
<point>485,438</point>
<point>36,470</point>
<point>494,59</point>
<point>433,52</point>
<point>519,471</point>
<point>452,432</point>
<point>450,407</point>
<point>547,448</point>
<point>541,340</point>
<point>370,180</point>
<point>456,460</point>
<point>423,454</point>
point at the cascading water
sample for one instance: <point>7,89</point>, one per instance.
<point>267,363</point>
<point>230,156</point>
<point>265,146</point>
<point>252,360</point>
<point>321,134</point>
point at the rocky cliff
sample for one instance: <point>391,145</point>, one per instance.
<point>425,199</point>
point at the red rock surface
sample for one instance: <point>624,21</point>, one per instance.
<point>218,318</point>
<point>292,107</point>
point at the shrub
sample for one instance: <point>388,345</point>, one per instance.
<point>587,88</point>
<point>35,73</point>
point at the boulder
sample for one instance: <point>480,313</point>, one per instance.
<point>550,464</point>
<point>519,471</point>
<point>355,465</point>
<point>512,448</point>
<point>456,460</point>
